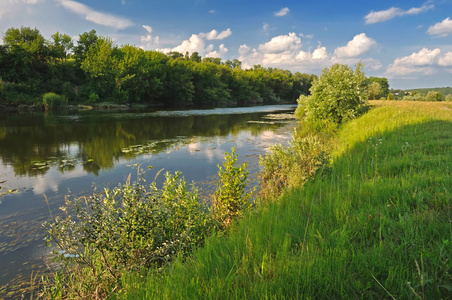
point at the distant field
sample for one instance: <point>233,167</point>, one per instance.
<point>443,90</point>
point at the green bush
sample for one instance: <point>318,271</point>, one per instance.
<point>131,227</point>
<point>335,96</point>
<point>231,198</point>
<point>448,97</point>
<point>68,91</point>
<point>53,101</point>
<point>288,167</point>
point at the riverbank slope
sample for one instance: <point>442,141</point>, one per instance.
<point>375,224</point>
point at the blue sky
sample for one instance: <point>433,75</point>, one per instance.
<point>409,42</point>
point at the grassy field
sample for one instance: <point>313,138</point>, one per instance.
<point>376,224</point>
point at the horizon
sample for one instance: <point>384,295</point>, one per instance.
<point>408,42</point>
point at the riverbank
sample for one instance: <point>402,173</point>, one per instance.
<point>375,224</point>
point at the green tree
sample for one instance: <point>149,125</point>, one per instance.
<point>336,95</point>
<point>85,41</point>
<point>60,45</point>
<point>374,90</point>
<point>384,85</point>
<point>25,55</point>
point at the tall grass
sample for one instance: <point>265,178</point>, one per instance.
<point>375,225</point>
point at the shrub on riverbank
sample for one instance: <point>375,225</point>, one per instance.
<point>136,228</point>
<point>374,225</point>
<point>53,101</point>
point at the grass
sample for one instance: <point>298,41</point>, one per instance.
<point>375,225</point>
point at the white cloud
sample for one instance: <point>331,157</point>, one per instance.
<point>356,47</point>
<point>286,55</point>
<point>149,42</point>
<point>95,16</point>
<point>442,29</point>
<point>215,35</point>
<point>388,14</point>
<point>423,62</point>
<point>265,27</point>
<point>148,28</point>
<point>220,53</point>
<point>445,60</point>
<point>307,36</point>
<point>281,43</point>
<point>382,16</point>
<point>422,58</point>
<point>212,11</point>
<point>243,50</point>
<point>284,11</point>
<point>197,43</point>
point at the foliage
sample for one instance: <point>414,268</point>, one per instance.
<point>287,167</point>
<point>127,228</point>
<point>383,84</point>
<point>448,97</point>
<point>376,225</point>
<point>231,199</point>
<point>374,90</point>
<point>335,96</point>
<point>53,101</point>
<point>430,96</point>
<point>128,74</point>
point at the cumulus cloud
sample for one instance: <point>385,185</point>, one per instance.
<point>281,43</point>
<point>95,16</point>
<point>388,14</point>
<point>148,41</point>
<point>446,60</point>
<point>441,29</point>
<point>197,43</point>
<point>423,61</point>
<point>215,35</point>
<point>222,50</point>
<point>285,51</point>
<point>356,47</point>
<point>421,58</point>
<point>284,11</point>
<point>243,50</point>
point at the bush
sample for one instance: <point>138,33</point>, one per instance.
<point>288,167</point>
<point>53,101</point>
<point>336,95</point>
<point>448,97</point>
<point>68,91</point>
<point>231,199</point>
<point>128,228</point>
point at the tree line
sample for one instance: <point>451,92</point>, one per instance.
<point>95,69</point>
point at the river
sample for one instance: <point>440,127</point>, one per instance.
<point>56,154</point>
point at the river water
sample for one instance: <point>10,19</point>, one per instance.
<point>45,156</point>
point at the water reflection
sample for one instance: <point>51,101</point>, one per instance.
<point>60,154</point>
<point>32,143</point>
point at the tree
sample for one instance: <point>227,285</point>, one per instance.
<point>85,41</point>
<point>61,44</point>
<point>335,96</point>
<point>384,85</point>
<point>374,90</point>
<point>26,54</point>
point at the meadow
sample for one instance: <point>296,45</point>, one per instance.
<point>375,223</point>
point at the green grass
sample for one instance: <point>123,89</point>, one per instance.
<point>375,225</point>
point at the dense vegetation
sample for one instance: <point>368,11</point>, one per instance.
<point>97,70</point>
